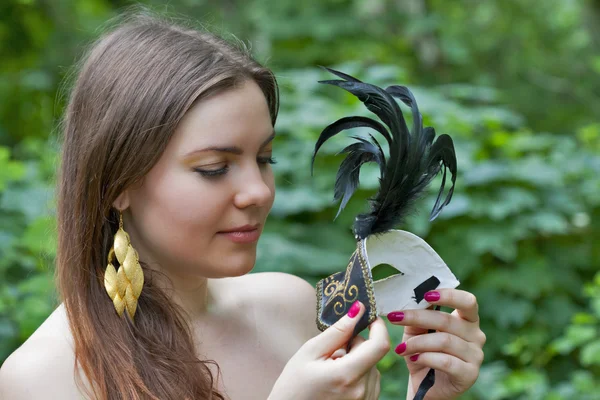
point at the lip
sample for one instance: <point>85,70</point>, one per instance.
<point>242,234</point>
<point>245,228</point>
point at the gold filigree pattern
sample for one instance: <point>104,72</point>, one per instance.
<point>368,281</point>
<point>331,288</point>
<point>320,324</point>
<point>341,294</point>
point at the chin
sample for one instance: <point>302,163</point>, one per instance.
<point>239,265</point>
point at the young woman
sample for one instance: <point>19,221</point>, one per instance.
<point>168,137</point>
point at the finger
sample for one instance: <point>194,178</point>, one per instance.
<point>410,331</point>
<point>339,353</point>
<point>374,386</point>
<point>357,341</point>
<point>441,342</point>
<point>435,320</point>
<point>365,386</point>
<point>338,334</point>
<point>463,374</point>
<point>464,303</point>
<point>360,359</point>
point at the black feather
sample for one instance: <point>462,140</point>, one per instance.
<point>415,157</point>
<point>347,179</point>
<point>348,123</point>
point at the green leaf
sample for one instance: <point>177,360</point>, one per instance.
<point>33,202</point>
<point>9,170</point>
<point>590,353</point>
<point>276,253</point>
<point>295,200</point>
<point>583,318</point>
<point>40,236</point>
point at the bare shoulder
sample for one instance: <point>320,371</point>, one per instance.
<point>44,364</point>
<point>267,284</point>
<point>287,299</point>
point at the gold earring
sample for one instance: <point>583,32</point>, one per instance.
<point>125,285</point>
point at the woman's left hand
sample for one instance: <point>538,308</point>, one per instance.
<point>455,350</point>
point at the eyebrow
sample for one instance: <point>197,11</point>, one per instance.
<point>230,149</point>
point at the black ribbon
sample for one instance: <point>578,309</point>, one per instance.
<point>425,385</point>
<point>429,379</point>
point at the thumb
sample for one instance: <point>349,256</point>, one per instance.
<point>338,334</point>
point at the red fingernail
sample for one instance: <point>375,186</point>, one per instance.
<point>432,296</point>
<point>354,309</point>
<point>395,316</point>
<point>414,358</point>
<point>401,348</point>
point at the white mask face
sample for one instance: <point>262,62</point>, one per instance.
<point>420,269</point>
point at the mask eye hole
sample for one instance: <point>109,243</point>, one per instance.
<point>384,271</point>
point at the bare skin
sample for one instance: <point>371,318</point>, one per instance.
<point>253,347</point>
<point>250,336</point>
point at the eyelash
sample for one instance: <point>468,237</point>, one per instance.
<point>222,171</point>
<point>267,160</point>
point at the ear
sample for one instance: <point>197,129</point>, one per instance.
<point>122,202</point>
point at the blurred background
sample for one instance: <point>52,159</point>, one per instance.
<point>516,83</point>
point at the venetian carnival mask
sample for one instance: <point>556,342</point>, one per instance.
<point>415,158</point>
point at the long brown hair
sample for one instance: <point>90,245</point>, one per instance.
<point>133,87</point>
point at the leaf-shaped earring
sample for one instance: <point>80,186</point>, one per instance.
<point>124,285</point>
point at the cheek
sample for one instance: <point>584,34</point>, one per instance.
<point>184,200</point>
<point>179,214</point>
<point>270,182</point>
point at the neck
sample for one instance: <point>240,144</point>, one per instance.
<point>192,294</point>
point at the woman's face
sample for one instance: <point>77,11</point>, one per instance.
<point>201,208</point>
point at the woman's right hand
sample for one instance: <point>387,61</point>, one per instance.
<point>321,369</point>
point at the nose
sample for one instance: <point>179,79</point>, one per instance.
<point>255,189</point>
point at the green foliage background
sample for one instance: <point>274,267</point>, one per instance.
<point>517,85</point>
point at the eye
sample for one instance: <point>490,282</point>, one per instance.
<point>212,173</point>
<point>266,160</point>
